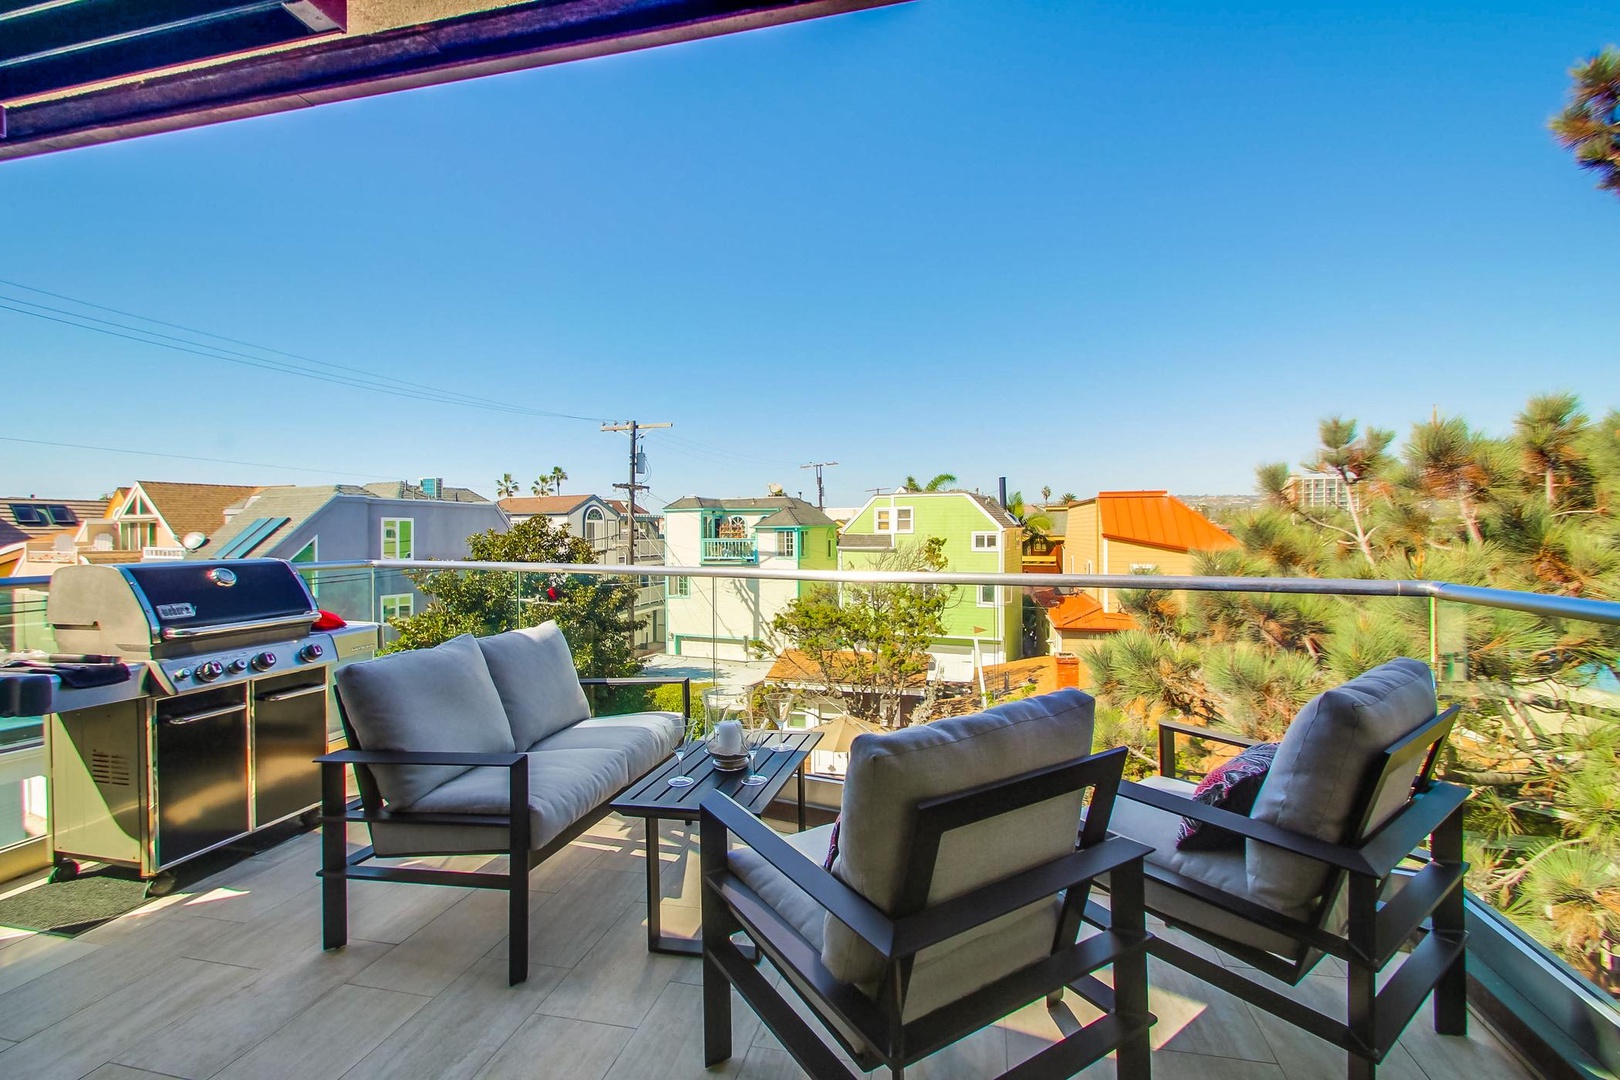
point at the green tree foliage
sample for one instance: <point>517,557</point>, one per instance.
<point>595,612</point>
<point>506,486</point>
<point>1590,123</point>
<point>1536,509</point>
<point>868,644</point>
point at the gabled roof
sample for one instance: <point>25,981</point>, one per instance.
<point>83,510</point>
<point>1157,519</point>
<point>189,508</point>
<point>744,502</point>
<point>546,505</point>
<point>805,516</point>
<point>794,666</point>
<point>295,503</point>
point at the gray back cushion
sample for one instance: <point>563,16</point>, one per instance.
<point>1322,767</point>
<point>889,774</point>
<point>534,674</point>
<point>427,699</point>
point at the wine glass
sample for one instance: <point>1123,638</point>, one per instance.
<point>753,743</point>
<point>784,708</point>
<point>691,738</point>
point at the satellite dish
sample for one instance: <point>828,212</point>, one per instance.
<point>193,540</point>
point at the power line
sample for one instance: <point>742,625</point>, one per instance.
<point>638,465</point>
<point>359,377</point>
<point>821,494</point>
<point>184,457</point>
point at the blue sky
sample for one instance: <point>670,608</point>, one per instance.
<point>1074,244</point>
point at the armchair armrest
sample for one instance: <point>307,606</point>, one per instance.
<point>1335,855</point>
<point>1169,729</point>
<point>842,902</point>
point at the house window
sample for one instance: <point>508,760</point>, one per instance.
<point>986,541</point>
<point>893,519</point>
<point>681,586</point>
<point>398,538</point>
<point>311,577</point>
<point>989,595</point>
<point>398,606</point>
<point>135,535</point>
<point>593,523</point>
<point>786,542</point>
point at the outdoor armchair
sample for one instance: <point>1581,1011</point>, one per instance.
<point>446,742</point>
<point>956,894</point>
<point>1348,799</point>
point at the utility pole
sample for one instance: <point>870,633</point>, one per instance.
<point>821,497</point>
<point>635,429</point>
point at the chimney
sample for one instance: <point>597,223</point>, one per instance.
<point>1068,671</point>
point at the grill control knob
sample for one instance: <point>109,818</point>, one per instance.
<point>311,652</point>
<point>237,666</point>
<point>209,670</point>
<point>182,675</point>
<point>264,661</point>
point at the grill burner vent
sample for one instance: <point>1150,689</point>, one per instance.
<point>111,769</point>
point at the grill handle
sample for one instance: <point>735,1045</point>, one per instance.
<point>186,633</point>
<point>206,714</point>
<point>302,691</point>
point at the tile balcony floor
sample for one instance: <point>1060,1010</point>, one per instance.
<point>228,980</point>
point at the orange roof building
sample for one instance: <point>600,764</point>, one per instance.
<point>1124,532</point>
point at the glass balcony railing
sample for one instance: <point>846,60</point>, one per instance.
<point>1538,739</point>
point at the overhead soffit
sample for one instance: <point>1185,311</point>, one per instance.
<point>80,72</point>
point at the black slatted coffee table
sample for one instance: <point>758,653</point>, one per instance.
<point>653,799</point>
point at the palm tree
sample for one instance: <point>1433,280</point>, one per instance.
<point>938,483</point>
<point>1035,520</point>
<point>1590,123</point>
<point>506,487</point>
<point>557,477</point>
<point>1548,432</point>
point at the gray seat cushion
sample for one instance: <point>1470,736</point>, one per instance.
<point>940,976</point>
<point>1318,780</point>
<point>533,671</point>
<point>889,774</point>
<point>428,699</point>
<point>564,786</point>
<point>1223,870</point>
<point>641,739</point>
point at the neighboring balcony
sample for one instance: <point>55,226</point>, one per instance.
<point>728,552</point>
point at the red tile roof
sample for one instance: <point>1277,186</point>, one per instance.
<point>1159,519</point>
<point>542,504</point>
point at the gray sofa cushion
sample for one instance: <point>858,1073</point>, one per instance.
<point>564,786</point>
<point>889,774</point>
<point>427,699</point>
<point>534,673</point>
<point>1321,768</point>
<point>641,739</point>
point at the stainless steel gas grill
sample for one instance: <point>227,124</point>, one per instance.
<point>219,738</point>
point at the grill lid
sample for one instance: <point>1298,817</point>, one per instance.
<point>212,594</point>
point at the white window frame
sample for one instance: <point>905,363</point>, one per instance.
<point>382,535</point>
<point>902,519</point>
<point>405,600</point>
<point>995,596</point>
<point>994,539</point>
<point>680,587</point>
<point>892,519</point>
<point>787,543</point>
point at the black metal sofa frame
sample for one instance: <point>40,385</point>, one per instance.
<point>338,867</point>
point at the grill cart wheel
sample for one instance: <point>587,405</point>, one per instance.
<point>64,870</point>
<point>162,885</point>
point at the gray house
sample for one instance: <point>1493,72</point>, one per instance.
<point>338,522</point>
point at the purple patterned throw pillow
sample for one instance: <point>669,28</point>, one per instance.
<point>832,843</point>
<point>1230,786</point>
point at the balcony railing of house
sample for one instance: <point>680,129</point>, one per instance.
<point>1537,997</point>
<point>733,552</point>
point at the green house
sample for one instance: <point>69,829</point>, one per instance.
<point>980,537</point>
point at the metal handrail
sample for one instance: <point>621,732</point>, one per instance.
<point>1557,607</point>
